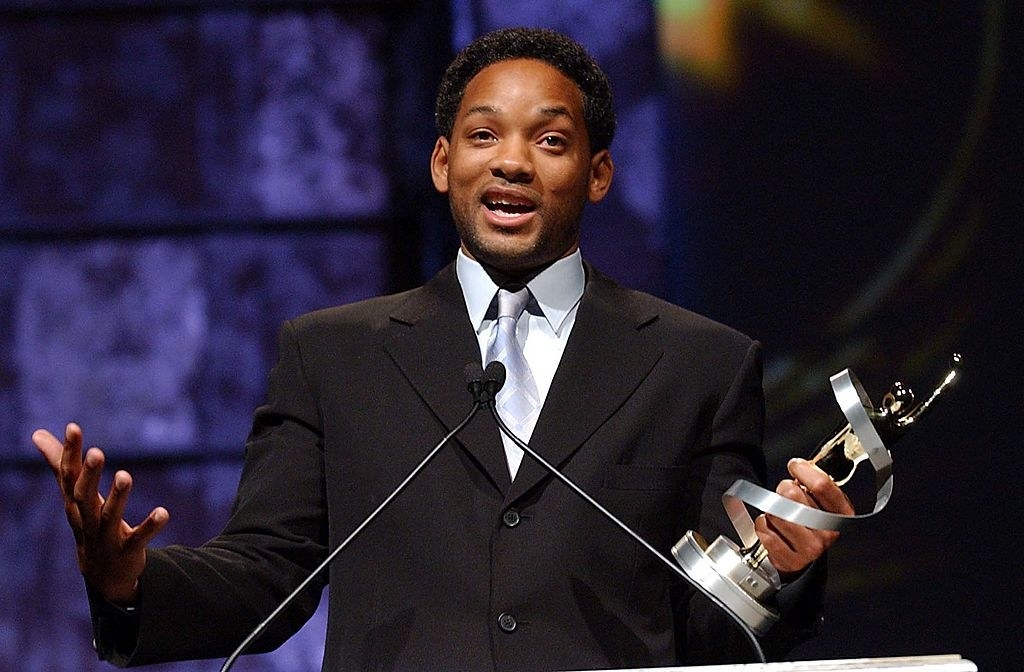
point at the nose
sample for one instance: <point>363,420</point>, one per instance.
<point>512,161</point>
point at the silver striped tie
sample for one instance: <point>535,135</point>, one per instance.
<point>518,402</point>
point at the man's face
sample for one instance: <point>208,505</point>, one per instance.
<point>518,168</point>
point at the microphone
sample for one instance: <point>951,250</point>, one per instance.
<point>483,386</point>
<point>498,372</point>
<point>475,382</point>
<point>493,381</point>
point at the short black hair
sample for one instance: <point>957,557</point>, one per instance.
<point>565,54</point>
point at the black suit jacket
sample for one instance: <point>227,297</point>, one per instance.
<point>653,410</point>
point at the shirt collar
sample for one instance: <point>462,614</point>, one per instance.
<point>557,289</point>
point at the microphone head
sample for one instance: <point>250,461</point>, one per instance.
<point>494,377</point>
<point>474,380</point>
<point>474,374</point>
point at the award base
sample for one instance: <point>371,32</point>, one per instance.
<point>723,569</point>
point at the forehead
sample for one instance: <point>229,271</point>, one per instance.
<point>522,84</point>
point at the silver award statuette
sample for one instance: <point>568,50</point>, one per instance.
<point>743,578</point>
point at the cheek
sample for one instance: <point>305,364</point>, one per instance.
<point>570,190</point>
<point>463,176</point>
<point>573,179</point>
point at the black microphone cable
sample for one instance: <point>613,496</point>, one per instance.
<point>482,385</point>
<point>755,645</point>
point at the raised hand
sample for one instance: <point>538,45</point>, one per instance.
<point>792,547</point>
<point>111,553</point>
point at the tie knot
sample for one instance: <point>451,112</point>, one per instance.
<point>512,302</point>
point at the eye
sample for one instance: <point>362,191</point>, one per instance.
<point>553,141</point>
<point>481,135</point>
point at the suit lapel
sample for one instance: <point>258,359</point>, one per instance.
<point>431,342</point>
<point>604,362</point>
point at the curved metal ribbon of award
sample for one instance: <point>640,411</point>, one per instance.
<point>742,577</point>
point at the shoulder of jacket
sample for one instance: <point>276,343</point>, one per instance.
<point>664,316</point>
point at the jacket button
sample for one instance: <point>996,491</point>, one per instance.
<point>510,518</point>
<point>507,622</point>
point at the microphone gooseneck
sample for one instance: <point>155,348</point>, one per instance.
<point>477,382</point>
<point>675,568</point>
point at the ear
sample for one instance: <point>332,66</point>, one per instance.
<point>439,164</point>
<point>601,170</point>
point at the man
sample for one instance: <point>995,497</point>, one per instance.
<point>485,561</point>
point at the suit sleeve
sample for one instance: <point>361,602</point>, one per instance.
<point>735,452</point>
<point>202,602</point>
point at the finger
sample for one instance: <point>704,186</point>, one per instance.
<point>50,447</point>
<point>86,491</point>
<point>70,464</point>
<point>149,528</point>
<point>112,512</point>
<point>781,554</point>
<point>770,537</point>
<point>791,547</point>
<point>794,490</point>
<point>112,516</point>
<point>797,536</point>
<point>820,486</point>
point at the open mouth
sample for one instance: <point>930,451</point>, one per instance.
<point>507,205</point>
<point>509,209</point>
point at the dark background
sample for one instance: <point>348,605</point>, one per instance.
<point>837,179</point>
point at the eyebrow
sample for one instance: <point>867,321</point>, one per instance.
<point>481,109</point>
<point>553,111</point>
<point>556,111</point>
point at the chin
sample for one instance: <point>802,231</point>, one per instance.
<point>504,253</point>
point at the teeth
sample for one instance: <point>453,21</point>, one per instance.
<point>509,208</point>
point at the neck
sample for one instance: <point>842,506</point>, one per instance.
<point>502,277</point>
